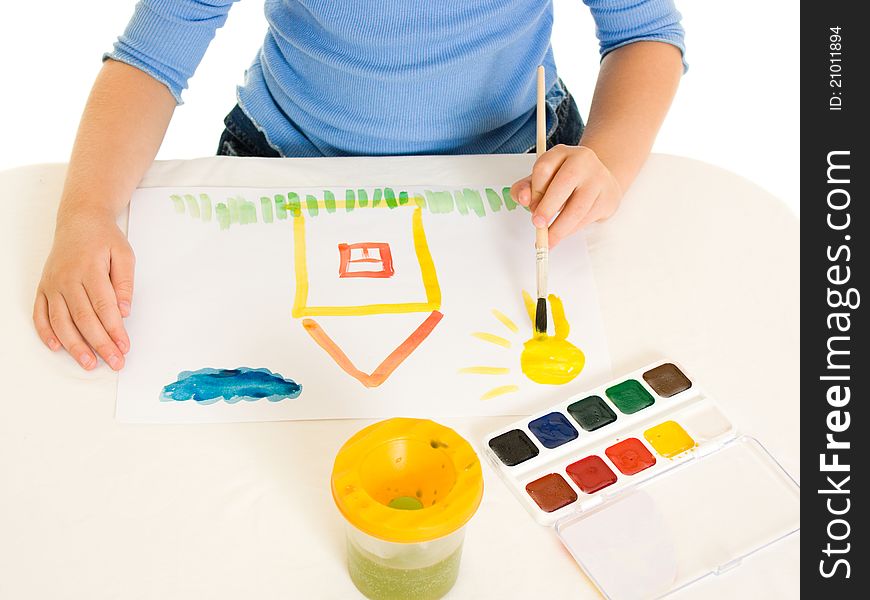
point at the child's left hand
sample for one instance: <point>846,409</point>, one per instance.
<point>574,181</point>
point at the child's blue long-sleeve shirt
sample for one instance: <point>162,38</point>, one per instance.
<point>386,77</point>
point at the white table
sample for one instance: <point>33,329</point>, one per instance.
<point>699,265</point>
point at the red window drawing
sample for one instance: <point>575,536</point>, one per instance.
<point>366,259</point>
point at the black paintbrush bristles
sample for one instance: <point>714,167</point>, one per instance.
<point>541,316</point>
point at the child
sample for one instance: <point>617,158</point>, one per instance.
<point>361,77</point>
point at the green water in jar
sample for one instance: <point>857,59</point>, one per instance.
<point>380,581</point>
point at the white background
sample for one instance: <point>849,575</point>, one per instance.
<point>737,107</point>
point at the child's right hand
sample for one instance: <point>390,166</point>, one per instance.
<point>86,290</point>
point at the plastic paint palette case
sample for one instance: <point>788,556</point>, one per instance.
<point>648,469</point>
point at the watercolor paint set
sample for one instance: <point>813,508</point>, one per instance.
<point>648,483</point>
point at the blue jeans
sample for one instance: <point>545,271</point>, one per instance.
<point>242,138</point>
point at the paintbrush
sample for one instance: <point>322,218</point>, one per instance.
<point>542,245</point>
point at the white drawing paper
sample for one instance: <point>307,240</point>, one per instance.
<point>341,302</point>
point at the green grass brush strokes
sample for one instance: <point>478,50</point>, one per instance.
<point>237,210</point>
<point>439,202</point>
<point>266,209</point>
<point>311,202</point>
<point>390,198</point>
<point>294,204</point>
<point>471,200</point>
<point>178,203</point>
<point>198,209</point>
<point>329,201</point>
<point>192,206</point>
<point>205,207</point>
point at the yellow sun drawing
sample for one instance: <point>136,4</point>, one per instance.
<point>545,359</point>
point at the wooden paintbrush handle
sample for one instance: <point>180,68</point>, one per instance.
<point>541,145</point>
<point>542,244</point>
<point>540,148</point>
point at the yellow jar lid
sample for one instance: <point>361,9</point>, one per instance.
<point>407,480</point>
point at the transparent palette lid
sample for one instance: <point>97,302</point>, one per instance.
<point>697,519</point>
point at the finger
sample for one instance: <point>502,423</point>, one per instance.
<point>40,320</point>
<point>121,269</point>
<point>546,167</point>
<point>90,327</point>
<point>102,298</point>
<point>577,208</point>
<point>601,210</point>
<point>62,325</point>
<point>521,191</point>
<point>561,187</point>
<point>592,216</point>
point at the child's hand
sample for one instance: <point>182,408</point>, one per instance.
<point>86,289</point>
<point>572,180</point>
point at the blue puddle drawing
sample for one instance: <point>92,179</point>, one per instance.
<point>207,386</point>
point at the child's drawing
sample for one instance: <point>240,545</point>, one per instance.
<point>390,363</point>
<point>551,359</point>
<point>366,259</point>
<point>377,263</point>
<point>206,386</point>
<point>545,359</point>
<point>367,295</point>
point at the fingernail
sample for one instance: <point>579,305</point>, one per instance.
<point>122,346</point>
<point>539,222</point>
<point>53,344</point>
<point>114,362</point>
<point>85,360</point>
<point>125,308</point>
